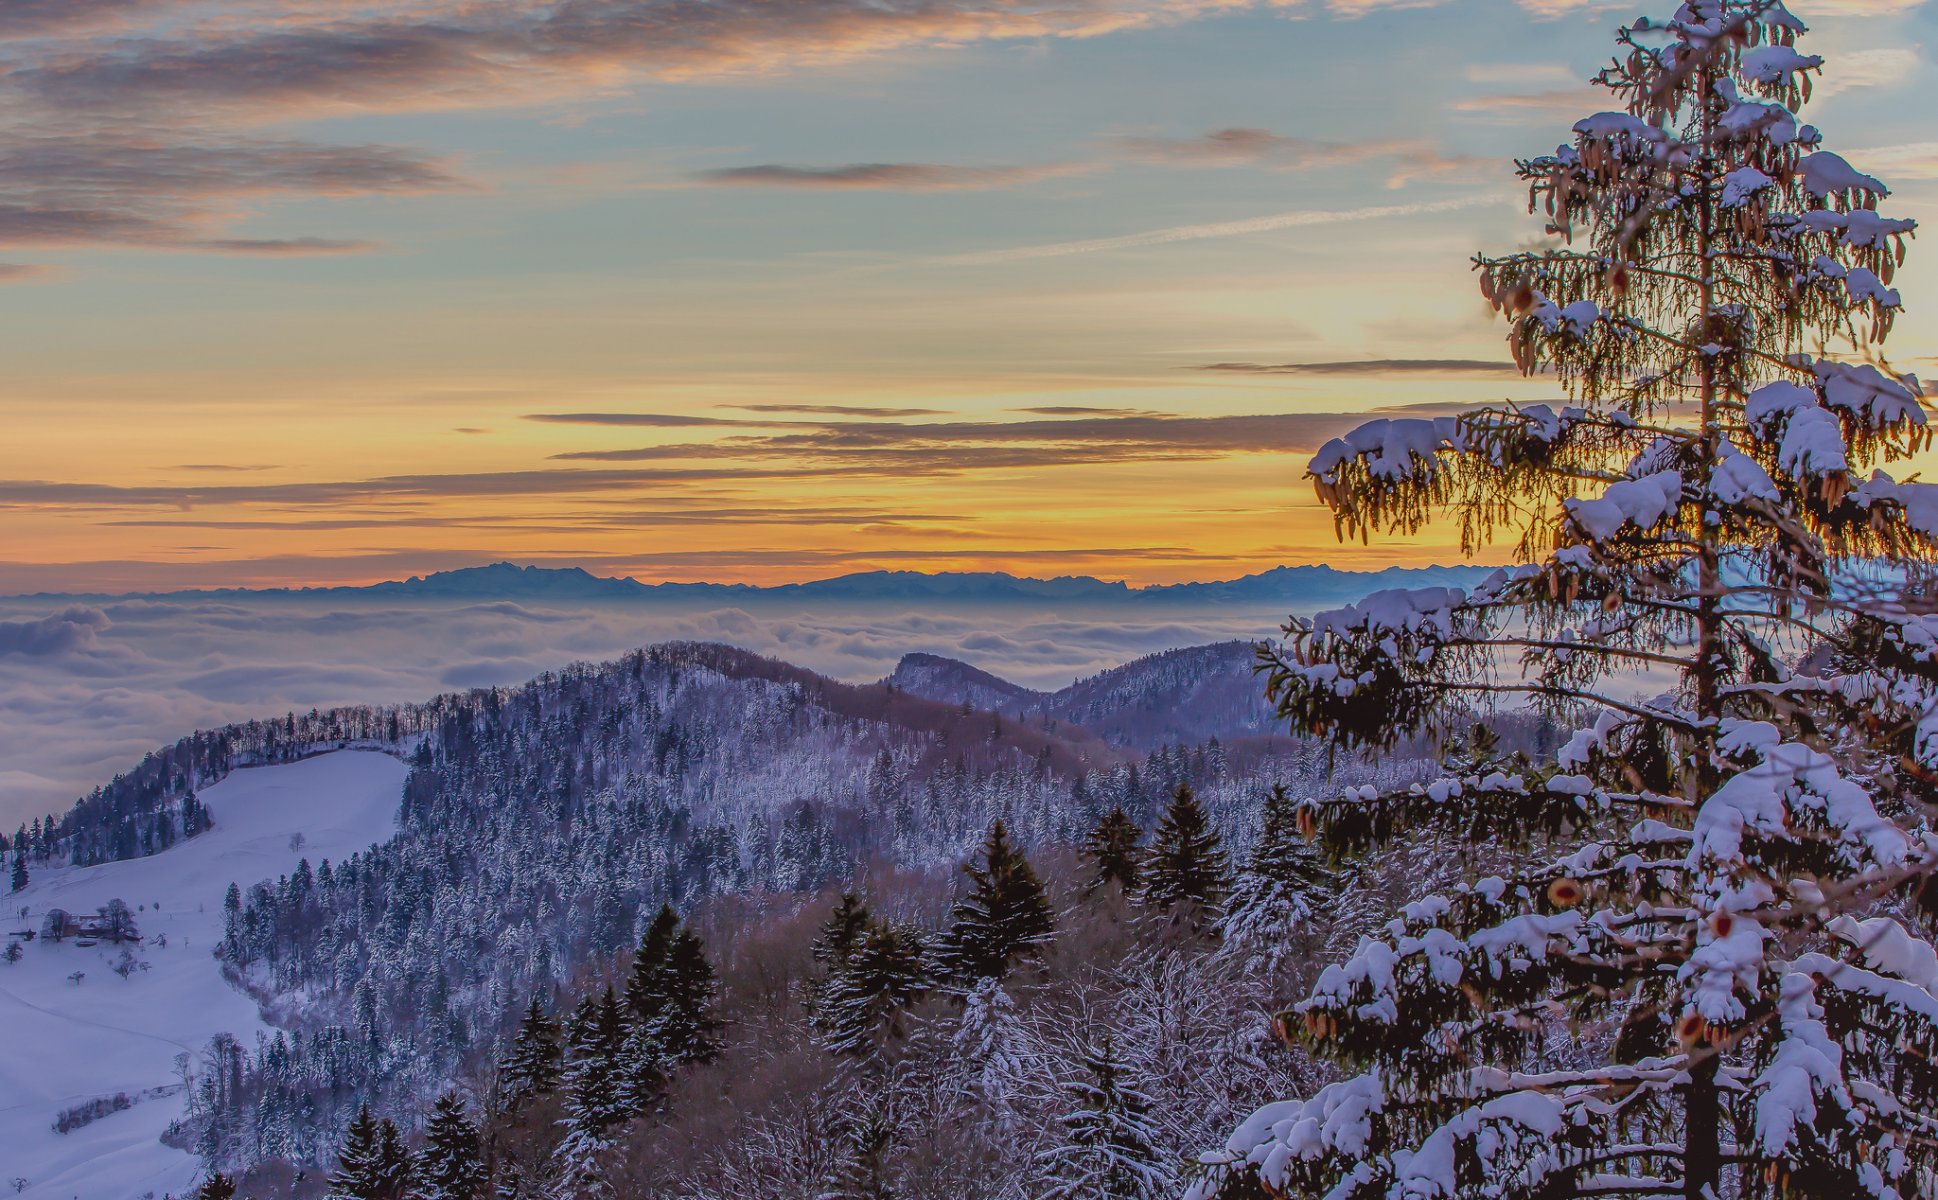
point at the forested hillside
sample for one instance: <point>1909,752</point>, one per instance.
<point>542,827</point>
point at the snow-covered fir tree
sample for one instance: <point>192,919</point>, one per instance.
<point>596,1100</point>
<point>687,1029</point>
<point>992,1049</point>
<point>1113,851</point>
<point>451,1164</point>
<point>372,1163</point>
<point>1273,913</point>
<point>1107,1145</point>
<point>878,973</point>
<point>861,1168</point>
<point>1187,864</point>
<point>533,1065</point>
<point>1005,914</point>
<point>216,1187</point>
<point>1702,976</point>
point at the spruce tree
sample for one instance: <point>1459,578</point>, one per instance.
<point>216,1187</point>
<point>861,1170</point>
<point>1108,1148</point>
<point>393,1164</point>
<point>669,1001</point>
<point>1187,863</point>
<point>841,931</point>
<point>596,1100</point>
<point>1004,916</point>
<point>19,875</point>
<point>644,985</point>
<point>359,1170</point>
<point>689,1030</point>
<point>1283,891</point>
<point>533,1066</point>
<point>451,1164</point>
<point>991,1047</point>
<point>859,1004</point>
<point>1113,851</point>
<point>1703,976</point>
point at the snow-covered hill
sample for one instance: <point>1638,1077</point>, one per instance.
<point>70,1041</point>
<point>1172,698</point>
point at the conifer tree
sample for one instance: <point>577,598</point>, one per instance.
<point>1005,914</point>
<point>689,1030</point>
<point>533,1066</point>
<point>451,1164</point>
<point>644,983</point>
<point>1113,851</point>
<point>861,1170</point>
<point>393,1163</point>
<point>373,1163</point>
<point>1284,886</point>
<point>1109,1144</point>
<point>841,931</point>
<point>669,1002</point>
<point>991,1046</point>
<point>1720,887</point>
<point>1187,863</point>
<point>596,1100</point>
<point>18,878</point>
<point>859,1004</point>
<point>216,1187</point>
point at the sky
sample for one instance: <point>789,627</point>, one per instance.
<point>331,291</point>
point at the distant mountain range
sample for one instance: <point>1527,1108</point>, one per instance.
<point>1300,587</point>
<point>1175,697</point>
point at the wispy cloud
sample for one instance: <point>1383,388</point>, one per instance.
<point>111,189</point>
<point>1411,158</point>
<point>1217,229</point>
<point>1370,366</point>
<point>903,177</point>
<point>839,410</point>
<point>1878,67</point>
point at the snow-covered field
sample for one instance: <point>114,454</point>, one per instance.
<point>64,1042</point>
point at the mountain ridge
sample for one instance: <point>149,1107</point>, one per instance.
<point>505,580</point>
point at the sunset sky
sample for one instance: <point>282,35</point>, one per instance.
<point>327,291</point>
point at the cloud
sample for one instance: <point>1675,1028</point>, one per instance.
<point>905,177</point>
<point>648,420</point>
<point>1218,229</point>
<point>38,18</point>
<point>303,247</point>
<point>66,190</point>
<point>1086,410</point>
<point>1855,69</point>
<point>21,272</point>
<point>1550,104</point>
<point>453,54</point>
<point>69,629</point>
<point>840,410</point>
<point>1907,160</point>
<point>1371,366</point>
<point>955,447</point>
<point>1412,158</point>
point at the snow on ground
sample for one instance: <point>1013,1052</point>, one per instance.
<point>65,1042</point>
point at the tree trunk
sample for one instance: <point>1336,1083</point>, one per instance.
<point>1702,1148</point>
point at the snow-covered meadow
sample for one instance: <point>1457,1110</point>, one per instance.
<point>67,1042</point>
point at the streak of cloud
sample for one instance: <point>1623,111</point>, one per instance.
<point>1300,219</point>
<point>905,177</point>
<point>1370,366</point>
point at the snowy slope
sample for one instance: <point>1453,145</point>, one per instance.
<point>66,1043</point>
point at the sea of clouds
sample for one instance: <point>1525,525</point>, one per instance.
<point>87,688</point>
